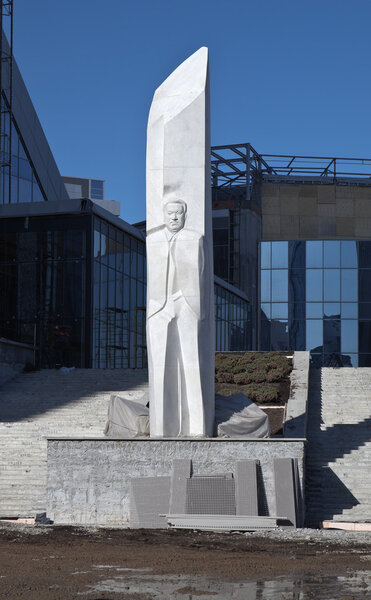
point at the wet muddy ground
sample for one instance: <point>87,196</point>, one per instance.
<point>60,563</point>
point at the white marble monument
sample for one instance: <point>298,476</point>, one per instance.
<point>180,294</point>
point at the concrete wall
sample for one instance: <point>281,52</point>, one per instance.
<point>88,480</point>
<point>311,211</point>
<point>295,425</point>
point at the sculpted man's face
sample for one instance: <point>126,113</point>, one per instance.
<point>174,216</point>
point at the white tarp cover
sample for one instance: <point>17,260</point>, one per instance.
<point>237,416</point>
<point>127,418</point>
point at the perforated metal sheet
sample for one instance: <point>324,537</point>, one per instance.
<point>211,495</point>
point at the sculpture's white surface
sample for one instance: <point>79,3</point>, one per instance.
<point>180,316</point>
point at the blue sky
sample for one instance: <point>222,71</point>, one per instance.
<point>289,76</point>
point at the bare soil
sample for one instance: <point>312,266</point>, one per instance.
<point>60,563</point>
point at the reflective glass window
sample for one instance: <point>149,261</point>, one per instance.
<point>314,258</point>
<point>279,255</point>
<point>37,195</point>
<point>96,244</point>
<point>349,310</point>
<point>221,261</point>
<point>331,310</point>
<point>265,335</point>
<point>25,170</point>
<point>349,285</point>
<point>266,309</point>
<point>279,285</point>
<point>297,254</point>
<point>140,261</point>
<point>349,360</point>
<point>265,286</point>
<point>297,310</point>
<point>364,360</point>
<point>73,243</point>
<point>364,279</point>
<point>220,237</point>
<point>24,190</point>
<point>126,294</point>
<point>314,310</point>
<point>279,335</point>
<point>364,310</point>
<point>112,251</point>
<point>364,254</point>
<point>314,334</point>
<point>331,335</point>
<point>349,336</point>
<point>296,285</point>
<point>331,285</point>
<point>349,256</point>
<point>279,310</point>
<point>104,247</point>
<point>265,255</point>
<point>103,292</point>
<point>111,291</point>
<point>314,285</point>
<point>14,190</point>
<point>297,334</point>
<point>331,254</point>
<point>120,254</point>
<point>126,255</point>
<point>133,258</point>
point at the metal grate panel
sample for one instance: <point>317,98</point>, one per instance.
<point>211,495</point>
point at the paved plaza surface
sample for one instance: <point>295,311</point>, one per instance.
<point>60,563</point>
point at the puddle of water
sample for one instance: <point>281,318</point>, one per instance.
<point>353,586</point>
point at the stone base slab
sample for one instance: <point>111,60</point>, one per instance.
<point>88,480</point>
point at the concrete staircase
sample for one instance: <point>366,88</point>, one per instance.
<point>50,403</point>
<point>338,457</point>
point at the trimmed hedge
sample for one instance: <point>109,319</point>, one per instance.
<point>263,376</point>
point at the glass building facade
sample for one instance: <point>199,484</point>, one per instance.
<point>74,287</point>
<point>24,184</point>
<point>221,243</point>
<point>232,321</point>
<point>43,274</point>
<point>119,299</point>
<point>316,295</point>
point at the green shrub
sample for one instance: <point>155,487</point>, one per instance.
<point>224,377</point>
<point>259,375</point>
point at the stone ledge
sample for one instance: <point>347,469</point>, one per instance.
<point>295,425</point>
<point>183,439</point>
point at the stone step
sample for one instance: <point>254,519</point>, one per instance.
<point>45,404</point>
<point>339,431</point>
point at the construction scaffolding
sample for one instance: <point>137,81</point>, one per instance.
<point>6,94</point>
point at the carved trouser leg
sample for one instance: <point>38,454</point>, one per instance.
<point>193,418</point>
<point>157,327</point>
<point>176,406</point>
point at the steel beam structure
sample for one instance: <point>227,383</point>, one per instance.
<point>242,165</point>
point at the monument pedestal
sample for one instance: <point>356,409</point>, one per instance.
<point>89,480</point>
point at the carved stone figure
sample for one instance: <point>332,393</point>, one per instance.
<point>180,323</point>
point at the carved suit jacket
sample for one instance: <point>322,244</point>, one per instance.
<point>190,260</point>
